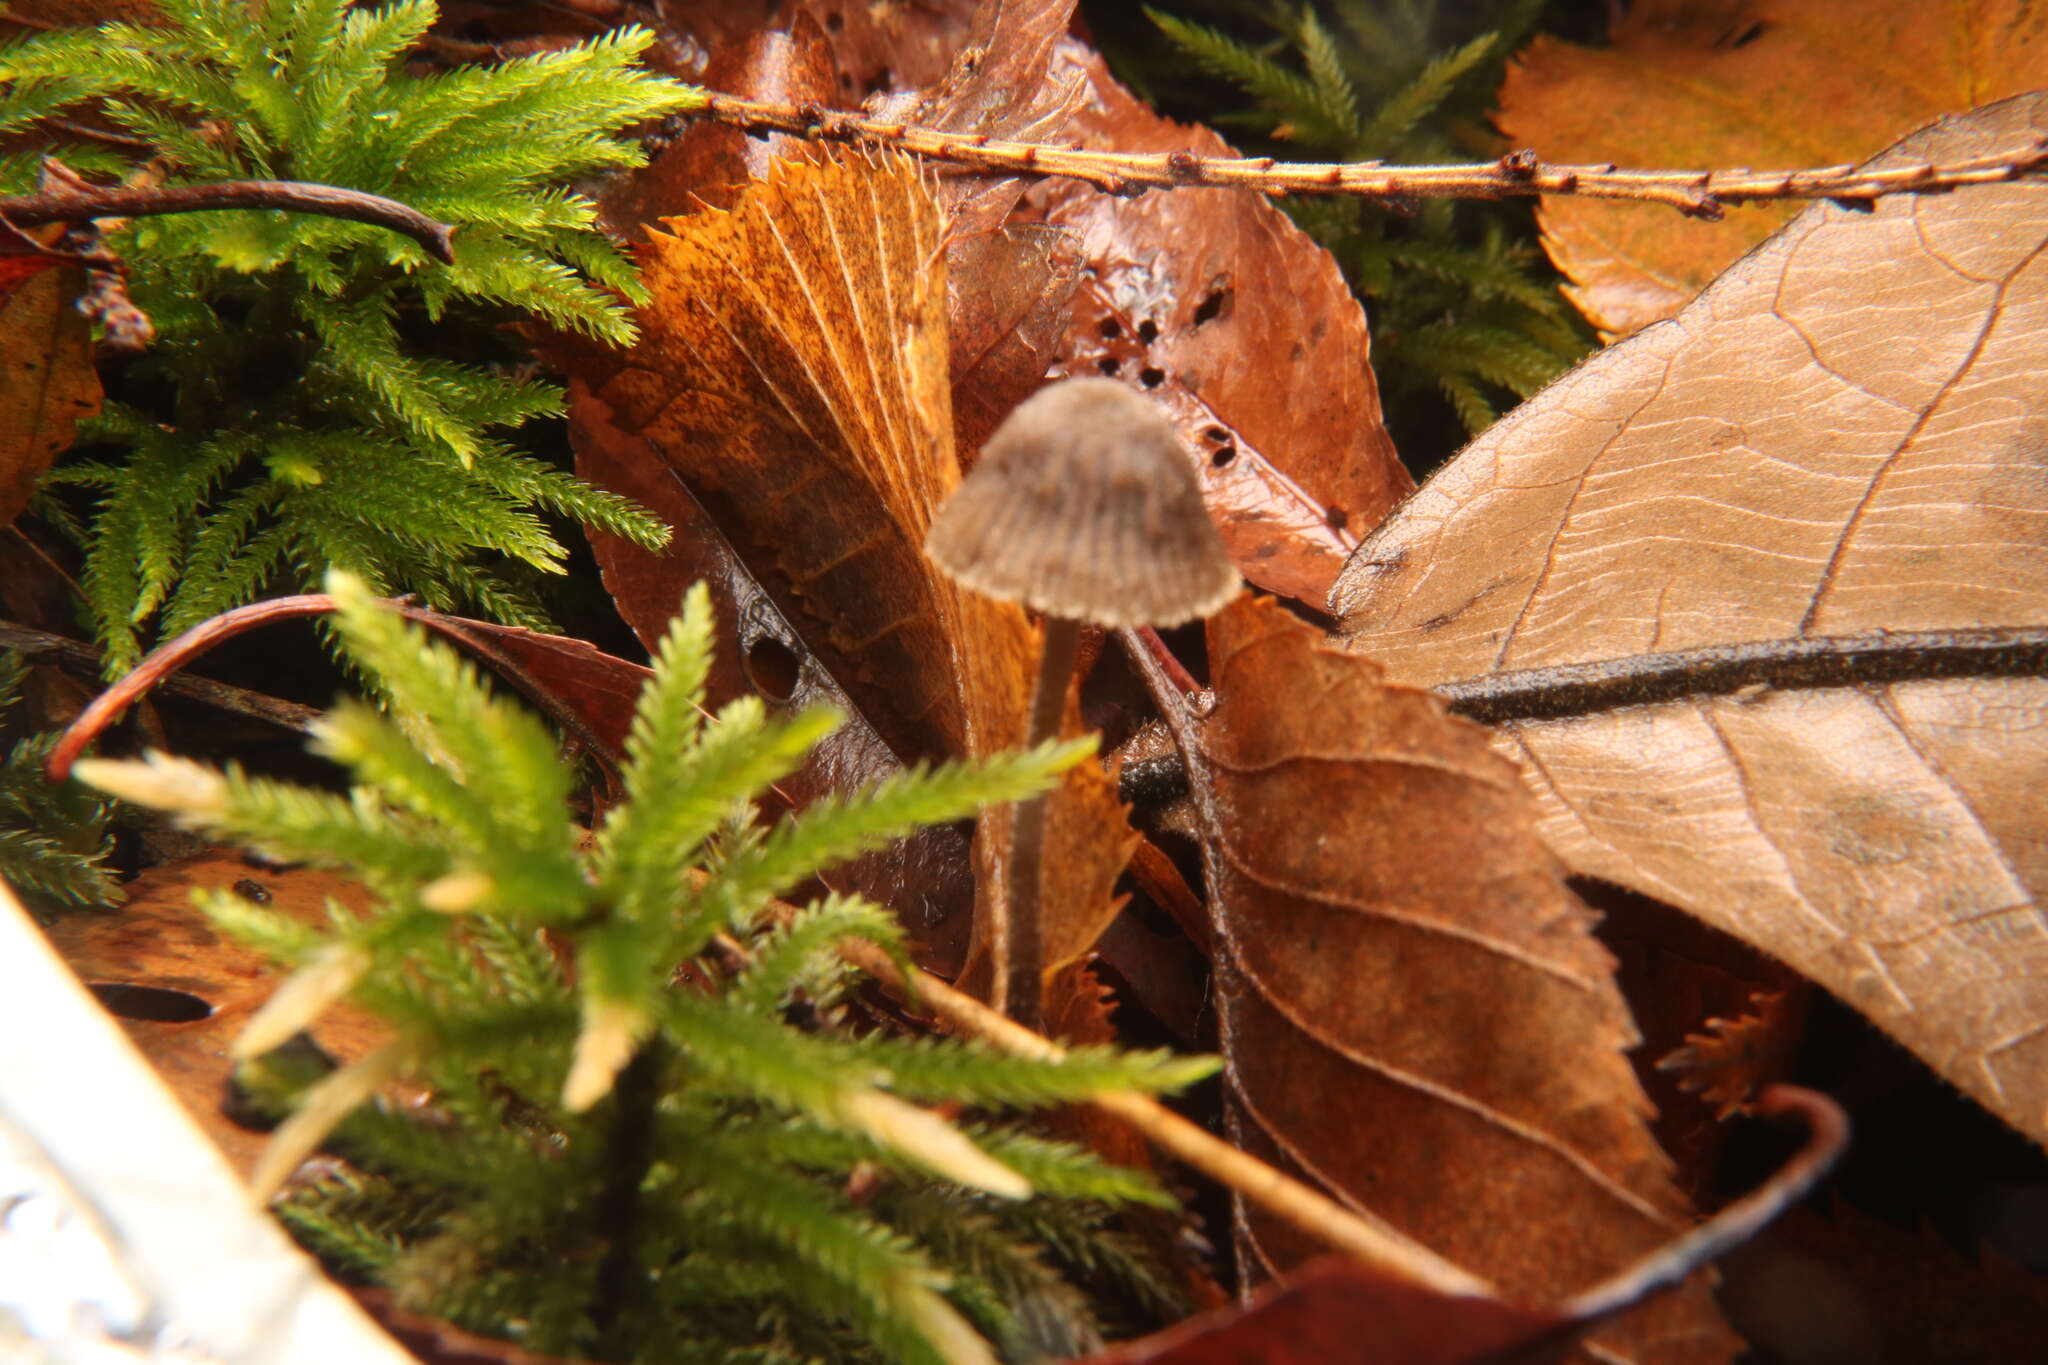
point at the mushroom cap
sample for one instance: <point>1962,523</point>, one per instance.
<point>1084,504</point>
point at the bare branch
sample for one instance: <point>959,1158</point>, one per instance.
<point>72,203</point>
<point>1698,194</point>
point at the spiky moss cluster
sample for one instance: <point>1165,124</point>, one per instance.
<point>321,392</point>
<point>1463,311</point>
<point>54,839</point>
<point>613,1164</point>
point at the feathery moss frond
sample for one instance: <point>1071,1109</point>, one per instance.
<point>54,839</point>
<point>279,328</point>
<point>547,1059</point>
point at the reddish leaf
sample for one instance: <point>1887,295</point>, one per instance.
<point>1216,305</point>
<point>1413,1008</point>
<point>50,383</point>
<point>1336,1310</point>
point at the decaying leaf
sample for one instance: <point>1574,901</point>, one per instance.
<point>1216,305</point>
<point>791,371</point>
<point>1413,1008</point>
<point>1843,436</point>
<point>182,990</point>
<point>1726,1064</point>
<point>47,380</point>
<point>1761,83</point>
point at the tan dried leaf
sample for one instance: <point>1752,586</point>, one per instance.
<point>1415,1013</point>
<point>1846,434</point>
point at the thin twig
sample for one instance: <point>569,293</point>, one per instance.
<point>1700,194</point>
<point>1776,665</point>
<point>75,656</point>
<point>72,204</point>
<point>1273,1190</point>
<point>168,658</point>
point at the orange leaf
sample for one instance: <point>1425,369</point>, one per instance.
<point>792,374</point>
<point>1711,83</point>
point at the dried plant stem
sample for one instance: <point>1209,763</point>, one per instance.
<point>75,656</point>
<point>1717,670</point>
<point>168,658</point>
<point>1272,1190</point>
<point>1697,193</point>
<point>77,201</point>
<point>1019,946</point>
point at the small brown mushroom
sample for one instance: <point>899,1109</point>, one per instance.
<point>1084,506</point>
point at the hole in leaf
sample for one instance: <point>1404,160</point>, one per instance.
<point>1223,456</point>
<point>834,22</point>
<point>1148,331</point>
<point>1109,330</point>
<point>1211,306</point>
<point>1218,434</point>
<point>773,668</point>
<point>154,1004</point>
<point>1151,378</point>
<point>1109,364</point>
<point>1338,518</point>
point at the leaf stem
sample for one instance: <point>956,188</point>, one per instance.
<point>1275,1191</point>
<point>1696,193</point>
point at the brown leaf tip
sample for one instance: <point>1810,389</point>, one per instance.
<point>1085,505</point>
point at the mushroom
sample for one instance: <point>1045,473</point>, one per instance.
<point>1085,507</point>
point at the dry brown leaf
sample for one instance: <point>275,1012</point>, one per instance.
<point>158,953</point>
<point>1759,83</point>
<point>1217,306</point>
<point>1842,436</point>
<point>47,380</point>
<point>1413,1008</point>
<point>791,371</point>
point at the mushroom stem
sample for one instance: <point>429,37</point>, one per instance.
<point>1023,966</point>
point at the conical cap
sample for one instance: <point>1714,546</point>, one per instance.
<point>1084,504</point>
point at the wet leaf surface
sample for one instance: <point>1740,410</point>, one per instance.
<point>1843,436</point>
<point>182,990</point>
<point>1214,304</point>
